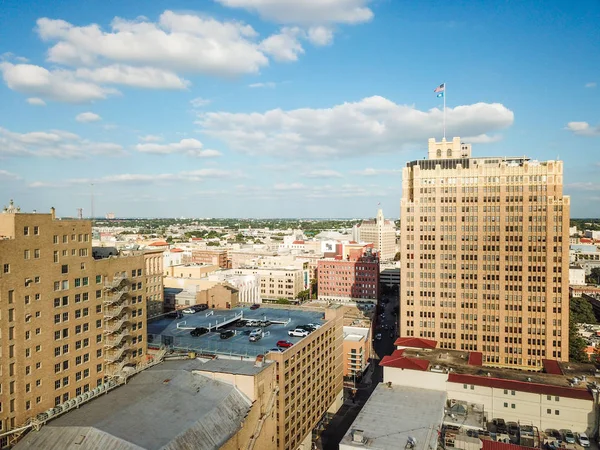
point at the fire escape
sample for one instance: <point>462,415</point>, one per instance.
<point>117,339</point>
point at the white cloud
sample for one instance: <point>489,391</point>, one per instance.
<point>268,84</point>
<point>320,35</point>
<point>36,101</point>
<point>87,117</point>
<point>146,178</point>
<point>370,172</point>
<point>323,173</point>
<point>6,175</point>
<point>199,102</point>
<point>190,147</point>
<point>53,143</point>
<point>583,129</point>
<point>58,85</point>
<point>141,77</point>
<point>374,124</point>
<point>176,42</point>
<point>482,139</point>
<point>284,46</point>
<point>150,138</point>
<point>591,84</point>
<point>307,12</point>
<point>289,186</point>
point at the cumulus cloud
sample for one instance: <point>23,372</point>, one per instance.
<point>36,101</point>
<point>307,12</point>
<point>284,46</point>
<point>141,77</point>
<point>323,173</point>
<point>59,85</point>
<point>87,117</point>
<point>176,42</point>
<point>591,84</point>
<point>268,84</point>
<point>374,124</point>
<point>483,139</point>
<point>320,35</point>
<point>583,129</point>
<point>370,172</point>
<point>289,186</point>
<point>190,147</point>
<point>146,178</point>
<point>199,102</point>
<point>53,143</point>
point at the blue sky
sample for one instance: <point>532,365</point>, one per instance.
<point>282,108</point>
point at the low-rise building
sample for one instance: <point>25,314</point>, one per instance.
<point>389,275</point>
<point>576,276</point>
<point>357,351</point>
<point>277,282</point>
<point>195,271</point>
<point>211,257</point>
<point>248,285</point>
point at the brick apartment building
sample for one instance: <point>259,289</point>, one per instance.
<point>211,257</point>
<point>355,278</point>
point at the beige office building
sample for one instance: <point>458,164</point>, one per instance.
<point>380,232</point>
<point>68,320</point>
<point>484,244</point>
<point>278,282</point>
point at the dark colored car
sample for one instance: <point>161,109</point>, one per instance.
<point>174,315</point>
<point>284,344</point>
<point>500,426</point>
<point>255,306</point>
<point>199,331</point>
<point>226,334</point>
<point>240,323</point>
<point>308,328</point>
<point>513,432</point>
<point>552,433</point>
<point>200,307</point>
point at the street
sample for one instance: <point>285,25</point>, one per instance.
<point>340,423</point>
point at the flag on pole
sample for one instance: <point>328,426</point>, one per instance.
<point>440,88</point>
<point>441,94</point>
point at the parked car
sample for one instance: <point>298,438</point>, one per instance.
<point>568,436</point>
<point>252,323</point>
<point>298,332</point>
<point>315,326</point>
<point>551,433</point>
<point>500,426</point>
<point>226,334</point>
<point>378,337</point>
<point>276,350</point>
<point>255,335</point>
<point>200,307</point>
<point>264,323</point>
<point>284,344</point>
<point>199,331</point>
<point>307,327</point>
<point>174,315</point>
<point>255,306</point>
<point>189,310</point>
<point>583,440</point>
<point>241,323</point>
<point>513,432</point>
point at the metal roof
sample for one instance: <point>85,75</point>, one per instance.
<point>159,409</point>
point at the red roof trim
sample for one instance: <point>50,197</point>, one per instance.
<point>475,359</point>
<point>552,366</point>
<point>415,342</point>
<point>533,388</point>
<point>159,244</point>
<point>405,363</point>
<point>488,444</point>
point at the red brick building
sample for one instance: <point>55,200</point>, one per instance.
<point>355,278</point>
<point>214,257</point>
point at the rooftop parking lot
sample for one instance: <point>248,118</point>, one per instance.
<point>176,332</point>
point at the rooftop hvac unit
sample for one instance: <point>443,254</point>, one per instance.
<point>95,391</point>
<point>58,409</point>
<point>79,399</point>
<point>41,417</point>
<point>86,395</point>
<point>72,402</point>
<point>66,405</point>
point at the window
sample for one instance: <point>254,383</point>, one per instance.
<point>548,397</point>
<point>57,386</point>
<point>98,279</point>
<point>512,405</point>
<point>26,231</point>
<point>77,282</point>
<point>6,268</point>
<point>556,412</point>
<point>26,254</point>
<point>36,253</point>
<point>85,281</point>
<point>55,239</point>
<point>556,398</point>
<point>55,256</point>
<point>36,230</point>
<point>85,311</point>
<point>64,268</point>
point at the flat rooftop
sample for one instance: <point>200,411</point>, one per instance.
<point>176,332</point>
<point>165,406</point>
<point>392,414</point>
<point>458,362</point>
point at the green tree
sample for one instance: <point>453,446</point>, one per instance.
<point>576,344</point>
<point>314,288</point>
<point>169,239</point>
<point>303,295</point>
<point>398,256</point>
<point>283,301</point>
<point>581,311</point>
<point>595,275</point>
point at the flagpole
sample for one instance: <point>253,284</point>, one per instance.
<point>444,92</point>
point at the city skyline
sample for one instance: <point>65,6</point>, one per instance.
<point>251,108</point>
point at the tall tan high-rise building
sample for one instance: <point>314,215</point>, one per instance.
<point>484,245</point>
<point>67,321</point>
<point>381,232</point>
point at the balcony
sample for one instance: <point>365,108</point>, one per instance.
<point>117,296</point>
<point>113,313</point>
<point>116,326</point>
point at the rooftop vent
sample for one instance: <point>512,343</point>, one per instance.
<point>358,436</point>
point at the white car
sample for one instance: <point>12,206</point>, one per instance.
<point>298,332</point>
<point>316,326</point>
<point>189,311</point>
<point>583,440</point>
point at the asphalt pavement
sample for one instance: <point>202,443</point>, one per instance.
<point>340,423</point>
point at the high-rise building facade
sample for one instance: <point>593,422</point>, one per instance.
<point>67,320</point>
<point>484,265</point>
<point>381,232</point>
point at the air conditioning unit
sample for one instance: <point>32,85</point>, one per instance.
<point>86,395</point>
<point>58,409</point>
<point>42,416</point>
